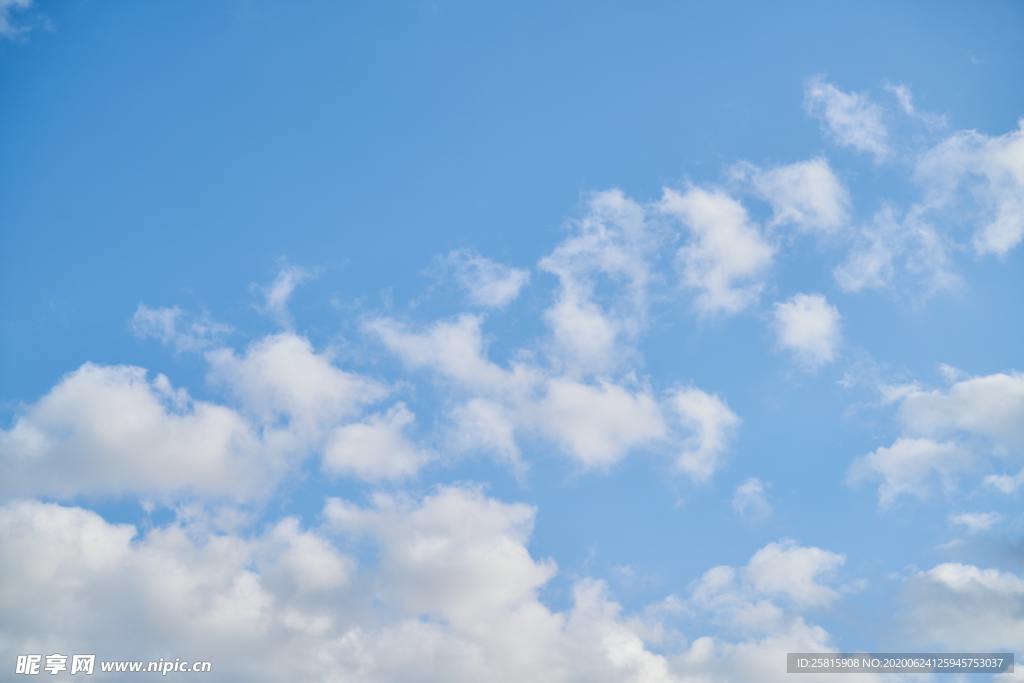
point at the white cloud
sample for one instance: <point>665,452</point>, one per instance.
<point>485,425</point>
<point>903,97</point>
<point>173,327</point>
<point>725,255</point>
<point>461,559</point>
<point>984,177</point>
<point>946,433</point>
<point>584,333</point>
<point>454,349</point>
<point>990,406</point>
<point>905,100</point>
<point>282,377</point>
<point>598,424</point>
<point>712,659</point>
<point>870,262</point>
<point>961,606</point>
<point>112,430</point>
<point>851,119</point>
<point>750,499</point>
<point>451,593</point>
<point>791,571</point>
<point>260,608</point>
<point>808,325</point>
<point>975,522</point>
<point>951,373</point>
<point>487,283</point>
<point>612,246</point>
<point>711,425</point>
<point>806,194</point>
<point>912,466</point>
<point>376,448</point>
<point>278,293</point>
<point>461,556</point>
<point>456,554</point>
<point>753,627</point>
<point>1006,483</point>
<point>294,561</point>
<point>894,244</point>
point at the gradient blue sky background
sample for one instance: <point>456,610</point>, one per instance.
<point>185,154</point>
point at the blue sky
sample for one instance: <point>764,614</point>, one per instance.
<point>692,331</point>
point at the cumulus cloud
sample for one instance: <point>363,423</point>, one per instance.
<point>806,194</point>
<point>454,349</point>
<point>808,326</point>
<point>898,243</point>
<point>612,245</point>
<point>375,448</point>
<point>174,327</point>
<point>725,254</point>
<point>114,430</point>
<point>989,406</point>
<point>851,119</point>
<point>757,612</point>
<point>981,179</point>
<point>456,554</point>
<point>948,433</point>
<point>711,425</point>
<point>794,572</point>
<point>975,522</point>
<point>487,283</point>
<point>967,607</point>
<point>750,499</point>
<point>486,425</point>
<point>450,593</point>
<point>912,466</point>
<point>596,422</point>
<point>281,377</point>
<point>451,596</point>
<point>259,607</point>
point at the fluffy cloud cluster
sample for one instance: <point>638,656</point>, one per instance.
<point>726,254</point>
<point>946,434</point>
<point>984,176</point>
<point>851,119</point>
<point>117,430</point>
<point>612,244</point>
<point>113,430</point>
<point>757,611</point>
<point>966,178</point>
<point>596,422</point>
<point>450,592</point>
<point>487,283</point>
<point>282,378</point>
<point>806,195</point>
<point>961,606</point>
<point>896,243</point>
<point>443,587</point>
<point>808,326</point>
